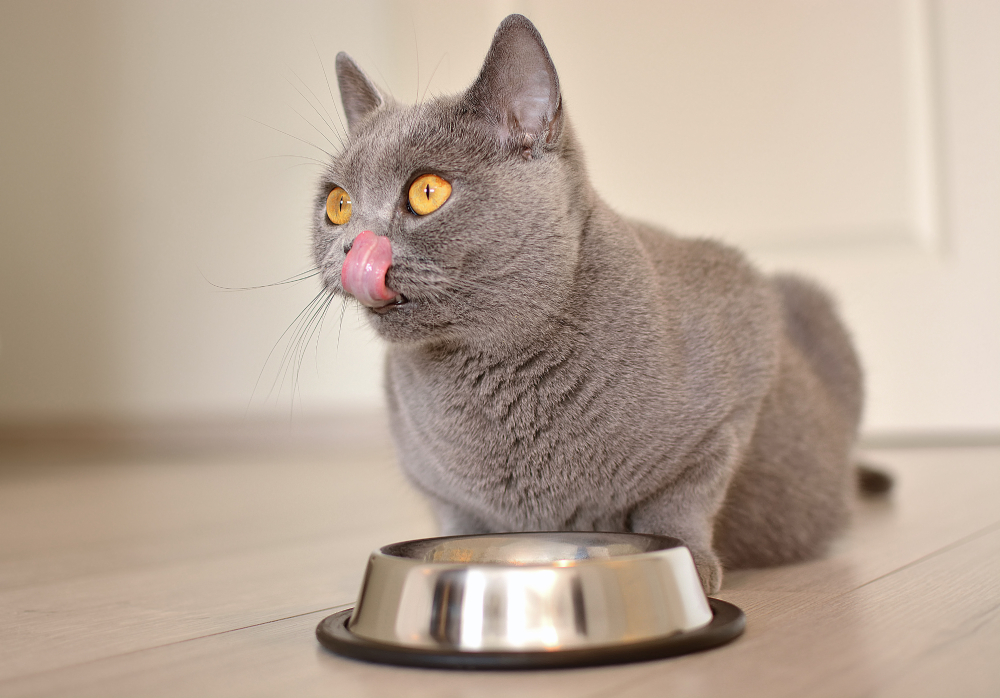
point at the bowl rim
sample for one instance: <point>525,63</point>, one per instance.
<point>669,543</point>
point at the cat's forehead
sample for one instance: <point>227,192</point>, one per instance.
<point>396,141</point>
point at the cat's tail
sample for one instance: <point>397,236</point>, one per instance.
<point>872,480</point>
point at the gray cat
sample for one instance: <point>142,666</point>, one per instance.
<point>554,366</point>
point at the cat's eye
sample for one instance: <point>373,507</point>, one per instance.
<point>428,193</point>
<point>338,206</point>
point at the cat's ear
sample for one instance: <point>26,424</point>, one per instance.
<point>357,93</point>
<point>517,91</point>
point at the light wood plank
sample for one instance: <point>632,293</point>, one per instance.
<point>864,642</point>
<point>284,659</point>
<point>138,554</point>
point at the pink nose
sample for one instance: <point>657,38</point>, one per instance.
<point>363,273</point>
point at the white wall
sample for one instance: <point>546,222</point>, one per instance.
<point>141,159</point>
<point>138,171</point>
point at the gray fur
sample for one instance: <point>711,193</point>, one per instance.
<point>559,367</point>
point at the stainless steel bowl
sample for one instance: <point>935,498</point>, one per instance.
<point>518,595</point>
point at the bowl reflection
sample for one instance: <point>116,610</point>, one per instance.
<point>529,592</point>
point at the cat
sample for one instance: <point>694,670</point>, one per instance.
<point>555,366</point>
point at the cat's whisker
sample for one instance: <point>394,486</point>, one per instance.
<point>297,278</point>
<point>301,342</point>
<point>444,291</point>
<point>285,365</point>
<point>328,119</point>
<point>304,164</point>
<point>431,79</point>
<point>319,332</point>
<point>298,157</point>
<point>296,357</point>
<point>305,338</point>
<point>487,285</point>
<point>301,140</point>
<point>293,324</point>
<point>322,322</point>
<point>340,324</point>
<point>416,50</point>
<point>342,134</point>
<point>315,128</point>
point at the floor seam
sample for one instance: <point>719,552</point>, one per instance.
<point>923,558</point>
<point>22,677</point>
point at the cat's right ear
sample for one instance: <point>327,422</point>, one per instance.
<point>358,94</point>
<point>517,91</point>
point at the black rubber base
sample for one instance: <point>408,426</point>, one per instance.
<point>727,624</point>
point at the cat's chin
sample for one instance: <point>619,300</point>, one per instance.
<point>409,323</point>
<point>396,322</point>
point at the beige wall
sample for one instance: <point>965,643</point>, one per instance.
<point>141,162</point>
<point>135,175</point>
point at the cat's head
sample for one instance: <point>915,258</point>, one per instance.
<point>456,219</point>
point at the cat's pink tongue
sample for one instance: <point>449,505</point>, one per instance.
<point>363,273</point>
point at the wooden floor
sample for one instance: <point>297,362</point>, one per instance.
<point>200,574</point>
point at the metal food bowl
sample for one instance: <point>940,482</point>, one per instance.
<point>530,600</point>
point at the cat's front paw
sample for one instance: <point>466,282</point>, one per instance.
<point>709,570</point>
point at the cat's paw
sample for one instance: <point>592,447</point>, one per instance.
<point>709,570</point>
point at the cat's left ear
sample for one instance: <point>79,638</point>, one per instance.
<point>358,94</point>
<point>517,91</point>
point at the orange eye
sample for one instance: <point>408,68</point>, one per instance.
<point>428,193</point>
<point>338,206</point>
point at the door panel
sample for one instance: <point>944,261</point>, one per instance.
<point>854,141</point>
